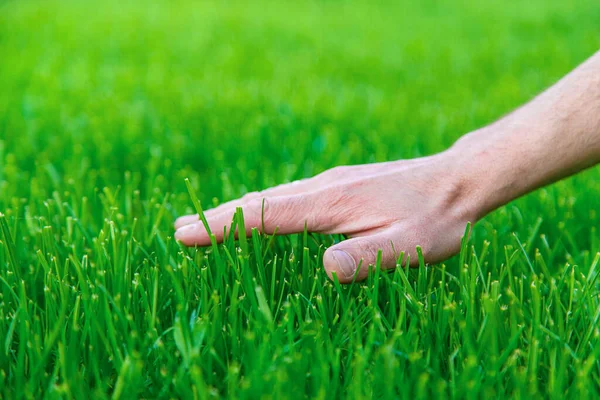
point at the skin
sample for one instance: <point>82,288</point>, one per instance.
<point>395,206</point>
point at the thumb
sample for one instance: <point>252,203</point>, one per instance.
<point>353,258</point>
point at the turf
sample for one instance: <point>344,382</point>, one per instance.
<point>106,109</point>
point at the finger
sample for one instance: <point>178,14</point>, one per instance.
<point>296,187</point>
<point>286,214</point>
<point>186,220</point>
<point>230,205</point>
<point>345,258</point>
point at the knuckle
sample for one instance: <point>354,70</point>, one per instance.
<point>332,173</point>
<point>274,212</point>
<point>250,196</point>
<point>256,205</point>
<point>327,208</point>
<point>253,212</point>
<point>283,211</point>
<point>367,252</point>
<point>340,169</point>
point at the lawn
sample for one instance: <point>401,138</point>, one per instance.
<point>106,109</point>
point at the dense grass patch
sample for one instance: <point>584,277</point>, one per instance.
<point>105,109</point>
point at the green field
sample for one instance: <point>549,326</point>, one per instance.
<point>106,109</point>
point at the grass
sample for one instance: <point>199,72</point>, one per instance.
<point>106,109</point>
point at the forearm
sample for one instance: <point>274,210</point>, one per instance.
<point>555,135</point>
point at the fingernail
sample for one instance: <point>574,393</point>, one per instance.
<point>185,231</point>
<point>345,262</point>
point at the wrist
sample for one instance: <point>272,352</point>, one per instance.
<point>455,186</point>
<point>486,170</point>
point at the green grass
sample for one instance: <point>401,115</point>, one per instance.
<point>106,108</point>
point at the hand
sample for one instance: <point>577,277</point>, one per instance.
<point>427,202</point>
<point>392,207</point>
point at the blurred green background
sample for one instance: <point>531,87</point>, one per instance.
<point>266,91</point>
<point>105,109</point>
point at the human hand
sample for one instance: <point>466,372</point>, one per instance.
<point>427,202</point>
<point>392,207</point>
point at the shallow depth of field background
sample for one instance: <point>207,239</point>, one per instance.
<point>106,108</point>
